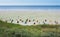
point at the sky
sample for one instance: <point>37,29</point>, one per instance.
<point>29,2</point>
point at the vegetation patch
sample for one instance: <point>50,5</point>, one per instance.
<point>16,30</point>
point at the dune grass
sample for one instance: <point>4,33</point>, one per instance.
<point>16,30</point>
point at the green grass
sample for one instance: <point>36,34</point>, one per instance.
<point>16,30</point>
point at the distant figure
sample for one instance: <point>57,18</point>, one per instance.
<point>45,20</point>
<point>11,20</point>
<point>33,19</point>
<point>34,23</point>
<point>17,21</point>
<point>56,22</point>
<point>29,20</point>
<point>26,21</point>
<point>20,19</point>
<point>37,20</point>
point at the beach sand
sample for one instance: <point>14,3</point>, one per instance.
<point>40,15</point>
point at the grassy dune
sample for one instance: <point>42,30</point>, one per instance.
<point>16,30</point>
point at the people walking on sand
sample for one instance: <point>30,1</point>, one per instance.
<point>34,21</point>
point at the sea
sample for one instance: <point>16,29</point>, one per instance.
<point>30,7</point>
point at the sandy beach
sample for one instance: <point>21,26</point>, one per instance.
<point>40,15</point>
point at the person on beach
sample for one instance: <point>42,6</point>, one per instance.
<point>56,22</point>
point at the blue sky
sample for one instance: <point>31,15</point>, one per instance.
<point>29,2</point>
